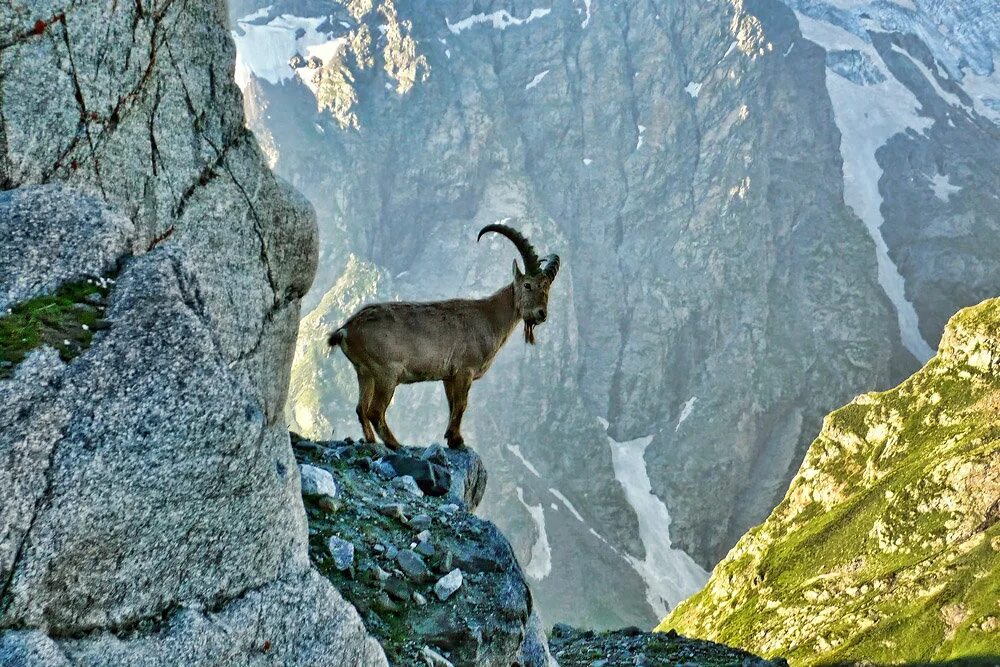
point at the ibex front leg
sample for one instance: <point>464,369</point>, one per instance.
<point>457,390</point>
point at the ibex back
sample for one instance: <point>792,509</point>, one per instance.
<point>453,341</point>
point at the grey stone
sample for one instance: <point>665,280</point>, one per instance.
<point>397,589</point>
<point>384,469</point>
<point>408,484</point>
<point>435,454</point>
<point>411,564</point>
<point>342,552</point>
<point>432,478</point>
<point>424,548</point>
<point>317,482</point>
<point>434,659</point>
<point>421,521</point>
<point>448,584</point>
<point>393,510</point>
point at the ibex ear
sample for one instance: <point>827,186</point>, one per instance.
<point>517,271</point>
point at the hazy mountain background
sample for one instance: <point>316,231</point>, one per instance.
<point>763,208</point>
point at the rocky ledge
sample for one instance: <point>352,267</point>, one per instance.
<point>395,533</point>
<point>635,648</point>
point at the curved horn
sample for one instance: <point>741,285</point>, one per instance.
<point>528,254</point>
<point>551,267</point>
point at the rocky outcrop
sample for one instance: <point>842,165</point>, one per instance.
<point>429,577</point>
<point>632,646</point>
<point>149,500</point>
<point>885,548</point>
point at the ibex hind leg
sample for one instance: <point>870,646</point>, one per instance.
<point>383,396</point>
<point>366,393</point>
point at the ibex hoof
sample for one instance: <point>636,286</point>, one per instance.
<point>456,443</point>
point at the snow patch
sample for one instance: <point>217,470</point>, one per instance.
<point>868,116</point>
<point>537,80</point>
<point>500,19</point>
<point>685,411</point>
<point>516,451</point>
<point>943,188</point>
<point>565,501</point>
<point>693,89</point>
<point>586,20</point>
<point>587,161</point>
<point>670,574</point>
<point>638,144</point>
<point>540,563</point>
<point>265,49</point>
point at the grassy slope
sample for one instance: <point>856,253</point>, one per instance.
<point>886,547</point>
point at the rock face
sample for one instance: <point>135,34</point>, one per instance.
<point>149,501</point>
<point>744,247</point>
<point>885,548</point>
<point>427,574</point>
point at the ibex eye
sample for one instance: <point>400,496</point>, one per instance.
<point>527,286</point>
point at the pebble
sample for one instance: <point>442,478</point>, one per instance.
<point>449,509</point>
<point>434,659</point>
<point>407,483</point>
<point>317,482</point>
<point>419,599</point>
<point>393,511</point>
<point>342,552</point>
<point>448,584</point>
<point>391,551</point>
<point>425,549</point>
<point>384,469</point>
<point>424,536</point>
<point>420,521</point>
<point>384,603</point>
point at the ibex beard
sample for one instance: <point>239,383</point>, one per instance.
<point>453,341</point>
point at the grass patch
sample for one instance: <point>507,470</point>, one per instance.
<point>65,320</point>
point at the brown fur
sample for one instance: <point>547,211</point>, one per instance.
<point>451,341</point>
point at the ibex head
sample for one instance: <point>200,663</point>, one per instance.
<point>531,287</point>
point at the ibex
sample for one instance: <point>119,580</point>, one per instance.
<point>453,341</point>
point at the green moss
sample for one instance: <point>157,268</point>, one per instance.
<point>65,320</point>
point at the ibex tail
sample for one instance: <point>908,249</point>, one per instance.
<point>336,337</point>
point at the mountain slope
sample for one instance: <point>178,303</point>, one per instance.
<point>740,255</point>
<point>887,546</point>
